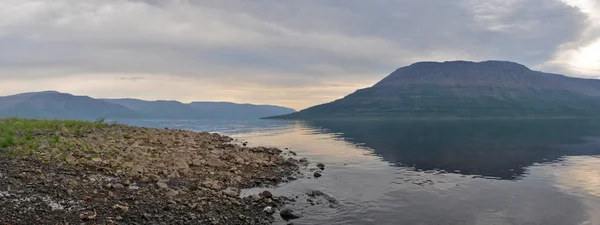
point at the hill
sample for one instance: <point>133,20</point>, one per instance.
<point>200,110</point>
<point>461,89</point>
<point>56,105</point>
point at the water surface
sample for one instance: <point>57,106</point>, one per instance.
<point>435,172</point>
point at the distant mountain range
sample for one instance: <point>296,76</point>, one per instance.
<point>461,89</point>
<point>56,105</point>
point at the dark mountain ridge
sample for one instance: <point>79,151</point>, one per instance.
<point>461,89</point>
<point>56,105</point>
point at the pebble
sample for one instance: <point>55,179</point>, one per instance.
<point>231,191</point>
<point>317,175</point>
<point>162,185</point>
<point>269,210</point>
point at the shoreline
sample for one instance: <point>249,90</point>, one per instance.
<point>73,172</point>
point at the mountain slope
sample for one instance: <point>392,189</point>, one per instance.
<point>240,111</point>
<point>461,89</point>
<point>158,109</point>
<point>200,110</point>
<point>55,105</point>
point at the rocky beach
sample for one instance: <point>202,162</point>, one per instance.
<point>73,172</point>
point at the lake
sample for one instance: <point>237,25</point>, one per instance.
<point>434,172</point>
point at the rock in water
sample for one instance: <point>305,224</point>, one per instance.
<point>288,214</point>
<point>321,166</point>
<point>317,174</point>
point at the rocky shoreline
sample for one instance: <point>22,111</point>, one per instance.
<point>60,172</point>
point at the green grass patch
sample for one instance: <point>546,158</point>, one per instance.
<point>23,136</point>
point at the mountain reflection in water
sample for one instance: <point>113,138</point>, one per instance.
<point>500,149</point>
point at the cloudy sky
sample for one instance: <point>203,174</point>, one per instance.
<point>294,53</point>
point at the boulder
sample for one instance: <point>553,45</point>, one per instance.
<point>288,214</point>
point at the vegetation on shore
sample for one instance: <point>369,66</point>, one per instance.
<point>102,173</point>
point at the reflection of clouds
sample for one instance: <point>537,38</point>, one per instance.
<point>581,177</point>
<point>583,174</point>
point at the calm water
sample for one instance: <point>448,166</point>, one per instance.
<point>444,172</point>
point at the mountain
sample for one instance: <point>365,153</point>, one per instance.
<point>243,111</point>
<point>158,109</point>
<point>55,105</point>
<point>200,110</point>
<point>461,89</point>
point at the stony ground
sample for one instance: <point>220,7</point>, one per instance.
<point>67,172</point>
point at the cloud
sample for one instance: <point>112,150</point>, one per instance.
<point>132,79</point>
<point>297,49</point>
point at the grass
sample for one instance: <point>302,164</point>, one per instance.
<point>23,136</point>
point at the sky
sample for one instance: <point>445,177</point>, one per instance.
<point>294,53</point>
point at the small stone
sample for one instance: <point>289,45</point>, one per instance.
<point>137,170</point>
<point>321,166</point>
<point>118,186</point>
<point>96,160</point>
<point>172,193</point>
<point>231,191</point>
<point>303,160</point>
<point>196,162</point>
<point>89,215</point>
<point>216,163</point>
<point>127,182</point>
<point>266,194</point>
<point>288,213</point>
<point>44,144</point>
<point>121,207</point>
<point>317,175</point>
<point>269,210</point>
<point>70,158</point>
<point>108,186</point>
<point>162,185</point>
<point>173,175</point>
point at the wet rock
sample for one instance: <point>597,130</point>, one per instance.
<point>266,194</point>
<point>317,175</point>
<point>288,214</point>
<point>321,166</point>
<point>316,193</point>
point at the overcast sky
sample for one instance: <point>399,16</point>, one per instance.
<point>291,53</point>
